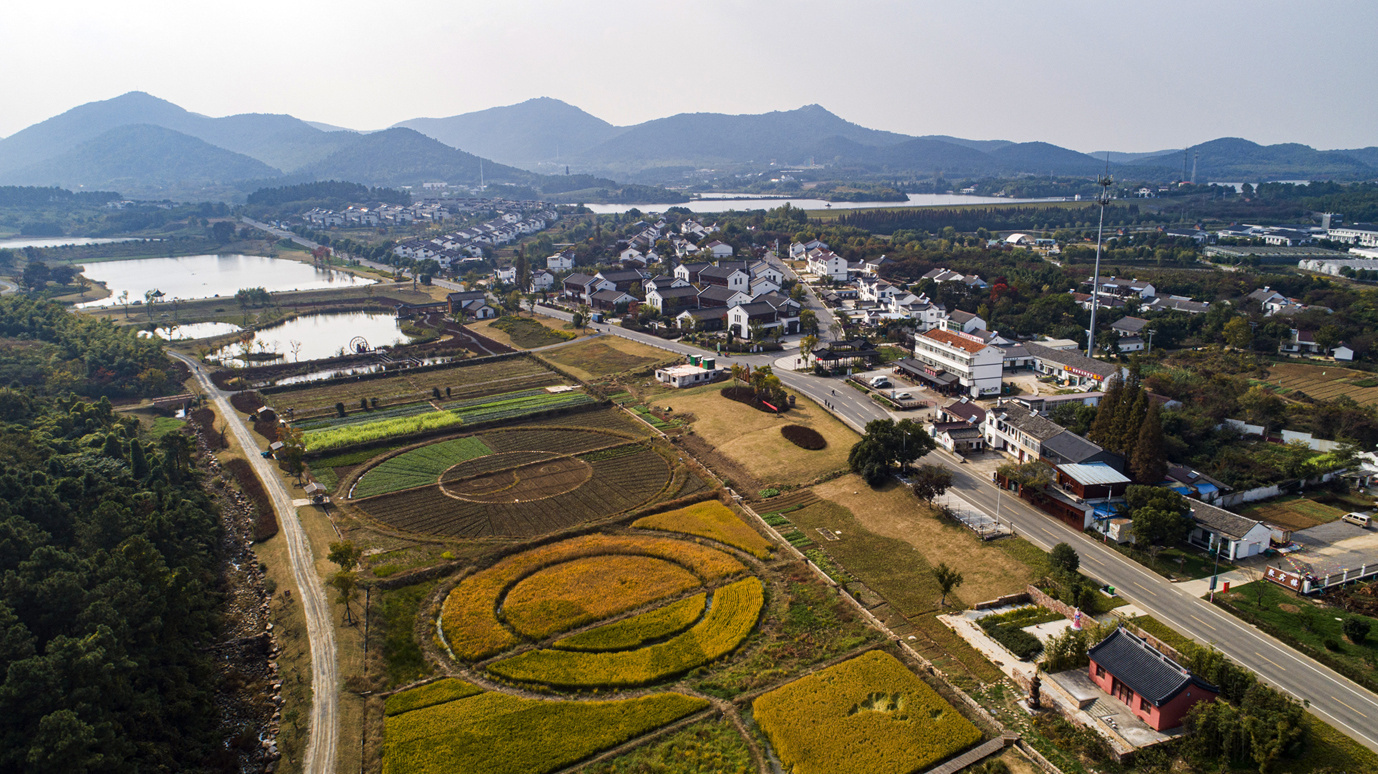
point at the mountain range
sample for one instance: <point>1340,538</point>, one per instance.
<point>142,145</point>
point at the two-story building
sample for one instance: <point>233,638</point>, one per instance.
<point>976,365</point>
<point>1070,367</point>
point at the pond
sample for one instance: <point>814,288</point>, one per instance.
<point>202,330</point>
<point>317,336</point>
<point>206,276</point>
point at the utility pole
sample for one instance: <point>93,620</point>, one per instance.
<point>1150,340</point>
<point>1104,183</point>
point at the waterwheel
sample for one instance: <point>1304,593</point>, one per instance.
<point>359,345</point>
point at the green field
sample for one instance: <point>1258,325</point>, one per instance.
<point>418,467</point>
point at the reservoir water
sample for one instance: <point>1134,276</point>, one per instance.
<point>320,336</point>
<point>17,243</point>
<point>205,276</point>
<point>203,330</point>
<point>725,202</point>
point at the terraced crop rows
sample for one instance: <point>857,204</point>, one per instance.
<point>616,486</point>
<point>418,467</point>
<point>552,440</point>
<point>478,379</point>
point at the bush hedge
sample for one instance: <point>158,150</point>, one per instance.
<point>1023,645</point>
<point>748,396</point>
<point>804,437</point>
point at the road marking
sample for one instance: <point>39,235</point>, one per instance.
<point>1283,668</point>
<point>1342,702</point>
<point>1203,623</point>
<point>1145,588</point>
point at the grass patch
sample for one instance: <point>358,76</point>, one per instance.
<point>527,332</point>
<point>753,438</point>
<point>707,747</point>
<point>1295,512</point>
<point>418,467</point>
<point>1163,632</point>
<point>1307,627</point>
<point>1173,563</point>
<point>163,425</point>
<point>604,356</point>
<point>500,734</point>
<point>880,719</point>
<point>399,609</point>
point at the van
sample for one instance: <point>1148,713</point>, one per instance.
<point>879,381</point>
<point>1357,519</point>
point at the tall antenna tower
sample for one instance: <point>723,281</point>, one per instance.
<point>1194,159</point>
<point>1104,184</point>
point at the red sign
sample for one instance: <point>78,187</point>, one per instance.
<point>1283,578</point>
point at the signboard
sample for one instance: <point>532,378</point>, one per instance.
<point>1281,577</point>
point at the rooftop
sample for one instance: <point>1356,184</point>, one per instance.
<point>1144,670</point>
<point>1068,358</point>
<point>955,341</point>
<point>1029,422</point>
<point>1092,473</point>
<point>1220,521</point>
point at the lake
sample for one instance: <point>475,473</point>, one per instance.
<point>203,330</point>
<point>725,202</point>
<point>322,335</point>
<point>205,276</point>
<point>17,243</point>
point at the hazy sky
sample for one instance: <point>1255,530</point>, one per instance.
<point>1087,74</point>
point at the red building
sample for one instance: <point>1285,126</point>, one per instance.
<point>1158,690</point>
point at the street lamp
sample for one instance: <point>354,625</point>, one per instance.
<point>1215,573</point>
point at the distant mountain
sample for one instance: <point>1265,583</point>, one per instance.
<point>700,139</point>
<point>984,146</point>
<point>538,131</point>
<point>324,127</point>
<point>921,154</point>
<point>400,156</point>
<point>277,140</point>
<point>1041,157</point>
<point>1367,156</point>
<point>1120,157</point>
<point>1235,159</point>
<point>140,157</point>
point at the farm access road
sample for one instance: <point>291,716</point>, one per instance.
<point>1339,701</point>
<point>324,718</point>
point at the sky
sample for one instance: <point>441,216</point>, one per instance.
<point>1085,74</point>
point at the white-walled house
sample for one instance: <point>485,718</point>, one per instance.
<point>825,263</point>
<point>560,262</point>
<point>977,365</point>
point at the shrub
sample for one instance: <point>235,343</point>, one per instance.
<point>639,629</point>
<point>1356,629</point>
<point>733,615</point>
<point>1331,645</point>
<point>769,492</point>
<point>498,733</point>
<point>713,520</point>
<point>869,715</point>
<point>748,396</point>
<point>469,615</point>
<point>1023,645</point>
<point>246,402</point>
<point>804,437</point>
<point>266,518</point>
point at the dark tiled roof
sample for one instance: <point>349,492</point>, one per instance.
<point>1067,357</point>
<point>611,296</point>
<point>1029,422</point>
<point>1070,447</point>
<point>1147,672</point>
<point>680,292</point>
<point>1221,521</point>
<point>578,279</point>
<point>966,410</point>
<point>717,293</point>
<point>1130,324</point>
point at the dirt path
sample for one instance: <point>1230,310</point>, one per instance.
<point>324,720</point>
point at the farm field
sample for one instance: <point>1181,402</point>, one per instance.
<point>712,520</point>
<point>325,434</point>
<point>604,356</point>
<point>498,733</point>
<point>879,717</point>
<point>1324,382</point>
<point>752,438</point>
<point>462,379</point>
<point>524,332</point>
<point>1293,512</point>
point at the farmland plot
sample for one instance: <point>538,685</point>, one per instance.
<point>463,380</point>
<point>418,467</point>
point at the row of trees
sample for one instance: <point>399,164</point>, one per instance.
<point>1129,423</point>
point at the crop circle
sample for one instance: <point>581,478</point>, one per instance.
<point>558,598</point>
<point>515,477</point>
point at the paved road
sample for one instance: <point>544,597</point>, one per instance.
<point>1336,699</point>
<point>7,288</point>
<point>324,720</point>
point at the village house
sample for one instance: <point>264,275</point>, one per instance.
<point>560,261</point>
<point>581,287</point>
<point>976,365</point>
<point>1070,367</point>
<point>1158,690</point>
<point>472,304</point>
<point>1232,535</point>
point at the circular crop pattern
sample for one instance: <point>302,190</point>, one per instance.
<point>515,477</point>
<point>557,599</point>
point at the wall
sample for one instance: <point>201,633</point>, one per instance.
<point>1288,436</point>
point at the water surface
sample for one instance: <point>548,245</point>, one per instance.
<point>319,336</point>
<point>206,276</point>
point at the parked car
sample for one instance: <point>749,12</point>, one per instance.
<point>879,382</point>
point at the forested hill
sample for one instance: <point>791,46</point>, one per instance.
<point>108,548</point>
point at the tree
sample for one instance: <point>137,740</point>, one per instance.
<point>929,482</point>
<point>1149,462</point>
<point>1104,425</point>
<point>1108,341</point>
<point>1356,629</point>
<point>1328,337</point>
<point>808,322</point>
<point>124,300</point>
<point>806,346</point>
<point>1033,474</point>
<point>348,585</point>
<point>948,579</point>
<point>345,554</point>
<point>1129,419</point>
<point>1063,558</point>
<point>886,444</point>
<point>222,231</point>
<point>36,275</point>
<point>1159,516</point>
<point>577,320</point>
<point>1238,334</point>
<point>1261,406</point>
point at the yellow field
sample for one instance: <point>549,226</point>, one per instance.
<point>714,521</point>
<point>604,356</point>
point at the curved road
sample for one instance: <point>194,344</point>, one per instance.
<point>1336,699</point>
<point>7,287</point>
<point>320,632</point>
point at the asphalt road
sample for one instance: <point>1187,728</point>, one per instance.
<point>7,288</point>
<point>1334,698</point>
<point>320,632</point>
